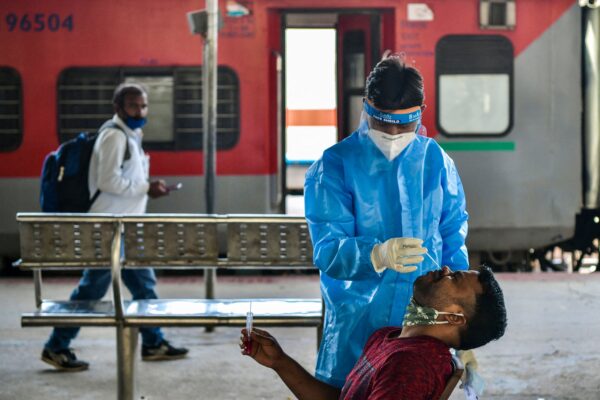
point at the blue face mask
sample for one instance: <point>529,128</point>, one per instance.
<point>135,123</point>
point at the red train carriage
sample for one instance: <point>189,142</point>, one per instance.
<point>502,79</point>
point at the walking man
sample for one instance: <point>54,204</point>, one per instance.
<point>118,180</point>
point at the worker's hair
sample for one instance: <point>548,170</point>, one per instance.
<point>124,89</point>
<point>394,86</point>
<point>488,319</point>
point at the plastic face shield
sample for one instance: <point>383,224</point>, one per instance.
<point>398,117</point>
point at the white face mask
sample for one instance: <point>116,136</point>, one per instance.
<point>391,145</point>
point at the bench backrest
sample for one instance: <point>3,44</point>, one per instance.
<point>268,241</point>
<point>66,240</point>
<point>180,240</point>
<point>164,240</point>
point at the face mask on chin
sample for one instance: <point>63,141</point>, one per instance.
<point>391,145</point>
<point>423,315</point>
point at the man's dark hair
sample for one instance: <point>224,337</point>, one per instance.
<point>393,86</point>
<point>124,89</point>
<point>488,321</point>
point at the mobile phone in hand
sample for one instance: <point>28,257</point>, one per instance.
<point>176,186</point>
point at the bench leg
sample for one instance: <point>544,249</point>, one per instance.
<point>210,280</point>
<point>126,347</point>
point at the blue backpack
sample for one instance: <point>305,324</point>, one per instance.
<point>64,186</point>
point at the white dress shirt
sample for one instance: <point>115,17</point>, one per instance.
<point>123,185</point>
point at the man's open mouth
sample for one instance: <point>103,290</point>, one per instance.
<point>436,275</point>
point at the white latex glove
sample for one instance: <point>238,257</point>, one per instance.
<point>399,254</point>
<point>467,358</point>
<point>473,383</point>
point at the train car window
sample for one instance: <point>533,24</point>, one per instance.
<point>497,14</point>
<point>474,85</point>
<point>175,98</point>
<point>354,53</point>
<point>188,105</point>
<point>11,114</point>
<point>354,59</point>
<point>85,99</point>
<point>159,128</point>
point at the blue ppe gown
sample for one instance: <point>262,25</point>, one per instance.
<point>356,198</point>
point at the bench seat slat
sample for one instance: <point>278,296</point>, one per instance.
<point>179,312</point>
<point>71,313</point>
<point>231,312</point>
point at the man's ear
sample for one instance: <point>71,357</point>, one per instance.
<point>454,319</point>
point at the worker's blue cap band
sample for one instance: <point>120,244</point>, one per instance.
<point>402,117</point>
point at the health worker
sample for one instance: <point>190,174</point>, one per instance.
<point>375,203</point>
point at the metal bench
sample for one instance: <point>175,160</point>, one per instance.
<point>66,241</point>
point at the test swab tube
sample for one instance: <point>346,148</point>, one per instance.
<point>249,320</point>
<point>432,259</point>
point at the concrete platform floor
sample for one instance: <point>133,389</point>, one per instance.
<point>551,350</point>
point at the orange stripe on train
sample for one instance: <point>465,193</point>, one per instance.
<point>311,117</point>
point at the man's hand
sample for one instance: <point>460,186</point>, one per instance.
<point>399,254</point>
<point>266,351</point>
<point>157,189</point>
<point>262,347</point>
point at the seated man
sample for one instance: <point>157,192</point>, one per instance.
<point>462,310</point>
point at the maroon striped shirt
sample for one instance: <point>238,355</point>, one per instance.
<point>399,368</point>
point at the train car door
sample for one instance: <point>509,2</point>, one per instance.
<point>359,49</point>
<point>327,56</point>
